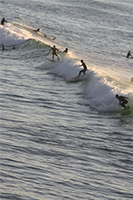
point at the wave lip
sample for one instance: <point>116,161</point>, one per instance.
<point>11,35</point>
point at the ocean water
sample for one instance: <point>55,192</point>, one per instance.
<point>61,137</point>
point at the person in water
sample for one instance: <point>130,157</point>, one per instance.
<point>51,38</point>
<point>66,50</point>
<point>83,70</point>
<point>129,54</point>
<point>37,30</point>
<point>54,49</point>
<point>122,100</point>
<point>3,48</point>
<point>3,21</point>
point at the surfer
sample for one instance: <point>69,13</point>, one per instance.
<point>3,21</point>
<point>83,70</point>
<point>51,38</point>
<point>4,47</point>
<point>122,100</point>
<point>129,54</point>
<point>54,49</point>
<point>66,50</point>
<point>37,30</point>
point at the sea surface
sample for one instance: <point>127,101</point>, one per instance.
<point>63,138</point>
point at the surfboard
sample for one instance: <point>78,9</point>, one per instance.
<point>51,60</point>
<point>72,79</point>
<point>75,78</point>
<point>126,111</point>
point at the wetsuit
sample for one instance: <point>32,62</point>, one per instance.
<point>65,51</point>
<point>84,65</point>
<point>2,21</point>
<point>122,101</point>
<point>83,70</point>
<point>54,49</point>
<point>3,46</point>
<point>129,54</point>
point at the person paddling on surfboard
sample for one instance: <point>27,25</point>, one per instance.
<point>54,49</point>
<point>50,38</point>
<point>37,30</point>
<point>83,70</point>
<point>122,100</point>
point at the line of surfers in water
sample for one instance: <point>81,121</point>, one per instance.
<point>122,100</point>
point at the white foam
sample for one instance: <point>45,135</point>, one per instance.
<point>100,88</point>
<point>11,35</point>
<point>66,68</point>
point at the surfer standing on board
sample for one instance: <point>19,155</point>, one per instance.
<point>54,49</point>
<point>122,100</point>
<point>83,70</point>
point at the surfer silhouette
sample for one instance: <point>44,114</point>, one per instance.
<point>3,21</point>
<point>54,49</point>
<point>122,100</point>
<point>83,70</point>
<point>129,54</point>
<point>36,30</point>
<point>51,38</point>
<point>3,48</point>
<point>66,50</point>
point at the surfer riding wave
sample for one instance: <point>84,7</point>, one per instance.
<point>122,100</point>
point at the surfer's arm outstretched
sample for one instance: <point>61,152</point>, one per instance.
<point>57,49</point>
<point>49,51</point>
